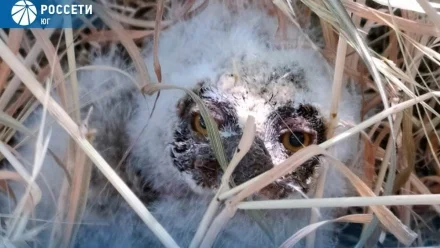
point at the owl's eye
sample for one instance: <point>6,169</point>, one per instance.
<point>294,141</point>
<point>198,124</point>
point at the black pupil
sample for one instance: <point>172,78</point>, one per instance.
<point>296,139</point>
<point>202,122</point>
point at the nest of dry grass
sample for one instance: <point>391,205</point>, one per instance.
<point>390,48</point>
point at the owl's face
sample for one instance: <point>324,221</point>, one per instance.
<point>283,127</point>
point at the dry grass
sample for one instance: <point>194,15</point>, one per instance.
<point>389,50</point>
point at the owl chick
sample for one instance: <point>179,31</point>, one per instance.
<point>230,59</point>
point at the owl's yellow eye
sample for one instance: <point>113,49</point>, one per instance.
<point>295,141</point>
<point>198,124</point>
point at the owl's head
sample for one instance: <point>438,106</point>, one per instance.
<point>284,126</point>
<point>288,94</point>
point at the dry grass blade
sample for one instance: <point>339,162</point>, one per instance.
<point>414,5</point>
<point>390,200</point>
<point>71,59</point>
<point>243,147</point>
<point>218,224</point>
<point>73,130</point>
<point>105,68</point>
<point>125,40</point>
<point>354,218</point>
<point>314,215</point>
<point>409,157</point>
<point>241,150</point>
<point>108,35</point>
<point>159,14</point>
<point>14,41</point>
<point>81,168</point>
<point>420,187</point>
<point>380,17</point>
<point>337,84</point>
<point>6,175</point>
<point>9,121</point>
<point>52,57</point>
<point>213,133</point>
<point>21,170</point>
<point>78,197</point>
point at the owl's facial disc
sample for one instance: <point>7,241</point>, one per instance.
<point>285,130</point>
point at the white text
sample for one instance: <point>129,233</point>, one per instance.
<point>79,9</point>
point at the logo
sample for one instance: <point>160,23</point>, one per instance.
<point>24,13</point>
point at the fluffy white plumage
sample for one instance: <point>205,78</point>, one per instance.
<point>208,47</point>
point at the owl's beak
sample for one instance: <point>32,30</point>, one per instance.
<point>254,163</point>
